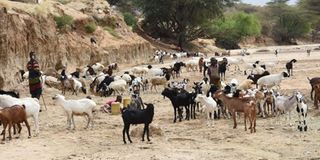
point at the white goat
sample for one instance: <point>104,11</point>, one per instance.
<point>81,107</point>
<point>118,86</point>
<point>140,71</point>
<point>209,105</point>
<point>271,80</point>
<point>32,107</point>
<point>284,104</point>
<point>192,64</point>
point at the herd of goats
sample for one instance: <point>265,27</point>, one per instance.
<point>257,95</point>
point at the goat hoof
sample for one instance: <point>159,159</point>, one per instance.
<point>29,137</point>
<point>142,140</point>
<point>130,141</point>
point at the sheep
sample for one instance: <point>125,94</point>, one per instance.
<point>139,71</point>
<point>192,65</point>
<point>127,78</point>
<point>155,71</point>
<point>234,104</point>
<point>10,93</point>
<point>284,104</point>
<point>157,81</point>
<point>313,82</point>
<point>302,110</point>
<point>81,107</point>
<point>245,85</point>
<point>117,86</point>
<point>256,77</point>
<point>14,115</point>
<point>133,116</point>
<point>289,67</point>
<point>271,80</point>
<point>32,107</point>
<point>209,104</point>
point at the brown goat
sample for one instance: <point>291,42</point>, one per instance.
<point>13,115</point>
<point>316,95</point>
<point>269,102</point>
<point>235,104</point>
<point>313,81</point>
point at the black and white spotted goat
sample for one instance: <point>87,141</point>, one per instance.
<point>302,110</point>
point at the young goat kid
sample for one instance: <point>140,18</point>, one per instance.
<point>13,115</point>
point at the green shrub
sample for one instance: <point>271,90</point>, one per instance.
<point>130,19</point>
<point>63,21</point>
<point>90,27</point>
<point>112,32</point>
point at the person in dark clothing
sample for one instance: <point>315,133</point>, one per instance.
<point>35,85</point>
<point>213,72</point>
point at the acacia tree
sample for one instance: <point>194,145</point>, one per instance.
<point>180,20</point>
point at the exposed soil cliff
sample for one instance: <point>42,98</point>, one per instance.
<point>24,29</point>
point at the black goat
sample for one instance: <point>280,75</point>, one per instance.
<point>135,116</point>
<point>222,68</point>
<point>10,93</point>
<point>103,85</point>
<point>177,68</point>
<point>178,98</point>
<point>289,67</point>
<point>255,77</point>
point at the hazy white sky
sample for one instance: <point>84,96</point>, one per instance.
<point>262,2</point>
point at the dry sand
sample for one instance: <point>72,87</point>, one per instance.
<point>183,140</point>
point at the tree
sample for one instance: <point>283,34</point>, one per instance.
<point>291,25</point>
<point>230,30</point>
<point>312,6</point>
<point>180,20</point>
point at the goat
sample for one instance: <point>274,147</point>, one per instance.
<point>302,110</point>
<point>13,115</point>
<point>256,77</point>
<point>271,80</point>
<point>32,107</point>
<point>289,67</point>
<point>222,68</point>
<point>234,104</point>
<point>316,95</point>
<point>10,93</point>
<point>313,82</point>
<point>81,107</point>
<point>209,104</point>
<point>178,97</point>
<point>284,104</point>
<point>134,116</point>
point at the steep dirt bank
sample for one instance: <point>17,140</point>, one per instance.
<point>22,31</point>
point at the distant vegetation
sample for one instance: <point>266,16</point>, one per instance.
<point>130,19</point>
<point>112,32</point>
<point>227,21</point>
<point>63,21</point>
<point>90,27</point>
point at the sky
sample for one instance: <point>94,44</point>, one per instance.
<point>262,2</point>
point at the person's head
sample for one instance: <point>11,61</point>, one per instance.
<point>32,55</point>
<point>213,61</point>
<point>119,98</point>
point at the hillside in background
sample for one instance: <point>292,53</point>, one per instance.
<point>60,31</point>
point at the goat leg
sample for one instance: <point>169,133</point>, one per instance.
<point>144,131</point>
<point>234,120</point>
<point>28,127</point>
<point>127,131</point>
<point>19,127</point>
<point>124,134</point>
<point>4,131</point>
<point>148,132</point>
<point>245,121</point>
<point>10,125</point>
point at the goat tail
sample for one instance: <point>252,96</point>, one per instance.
<point>308,78</point>
<point>24,107</point>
